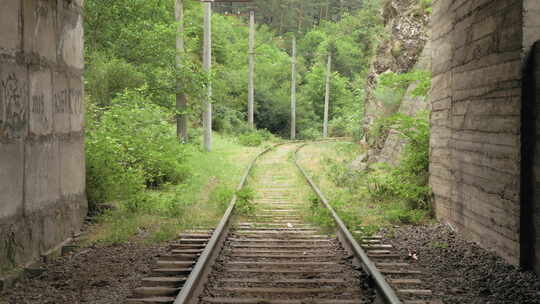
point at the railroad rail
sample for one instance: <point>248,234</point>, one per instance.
<point>272,256</point>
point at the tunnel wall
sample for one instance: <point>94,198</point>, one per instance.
<point>478,54</point>
<point>530,213</point>
<point>42,173</point>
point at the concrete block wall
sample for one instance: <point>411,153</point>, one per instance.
<point>479,53</point>
<point>42,184</point>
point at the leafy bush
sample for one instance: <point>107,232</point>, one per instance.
<point>400,82</point>
<point>244,201</point>
<point>254,138</point>
<point>414,164</point>
<point>391,88</point>
<point>403,191</point>
<point>378,132</point>
<point>229,121</point>
<point>427,5</point>
<point>221,197</point>
<point>310,133</point>
<point>108,177</point>
<point>408,180</point>
<point>338,127</point>
<point>319,214</point>
<point>108,77</point>
<point>130,146</point>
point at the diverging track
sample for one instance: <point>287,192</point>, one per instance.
<point>274,257</point>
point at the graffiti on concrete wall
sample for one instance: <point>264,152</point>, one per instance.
<point>12,105</point>
<point>68,101</point>
<point>40,112</point>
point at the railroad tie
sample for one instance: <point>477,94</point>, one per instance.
<point>171,270</point>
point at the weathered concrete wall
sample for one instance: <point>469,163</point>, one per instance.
<point>479,50</point>
<point>42,185</point>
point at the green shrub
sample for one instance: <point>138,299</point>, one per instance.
<point>414,164</point>
<point>402,191</point>
<point>148,138</point>
<point>427,5</point>
<point>339,127</point>
<point>130,146</point>
<point>229,121</point>
<point>108,77</point>
<point>400,82</point>
<point>378,132</point>
<point>108,177</point>
<point>310,133</point>
<point>409,180</point>
<point>319,214</point>
<point>221,197</point>
<point>244,201</point>
<point>254,138</point>
<point>406,216</point>
<point>391,88</point>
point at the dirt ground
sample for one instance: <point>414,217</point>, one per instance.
<point>461,272</point>
<point>98,274</point>
<point>456,271</point>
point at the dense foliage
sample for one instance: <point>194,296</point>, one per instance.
<point>409,180</point>
<point>129,147</point>
<point>131,77</point>
<point>131,80</point>
<point>131,45</point>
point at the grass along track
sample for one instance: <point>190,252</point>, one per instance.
<point>274,256</point>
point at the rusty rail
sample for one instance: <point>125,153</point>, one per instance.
<point>385,291</point>
<point>194,284</point>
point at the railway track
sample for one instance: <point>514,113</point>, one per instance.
<point>274,256</point>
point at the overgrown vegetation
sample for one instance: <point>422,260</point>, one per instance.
<point>197,201</point>
<point>139,177</point>
<point>365,200</point>
<point>244,201</point>
<point>130,146</point>
<point>255,138</point>
<point>427,5</point>
<point>131,46</point>
<point>390,91</point>
<point>380,194</point>
<point>409,180</point>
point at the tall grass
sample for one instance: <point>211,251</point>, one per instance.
<point>198,201</point>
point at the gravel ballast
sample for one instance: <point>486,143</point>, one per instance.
<point>98,274</point>
<point>458,271</point>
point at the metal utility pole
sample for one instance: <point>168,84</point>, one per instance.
<point>181,100</point>
<point>207,64</point>
<point>293,90</point>
<point>251,69</point>
<point>327,96</point>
